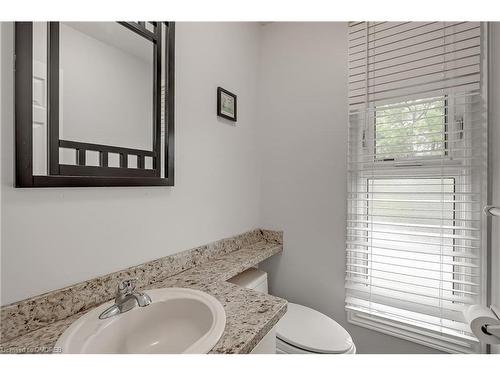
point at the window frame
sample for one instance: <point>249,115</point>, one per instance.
<point>453,220</point>
<point>414,332</point>
<point>372,134</point>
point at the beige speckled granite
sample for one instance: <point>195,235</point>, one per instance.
<point>272,235</point>
<point>34,313</point>
<point>35,324</point>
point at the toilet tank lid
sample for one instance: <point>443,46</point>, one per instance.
<point>249,278</point>
<point>312,331</point>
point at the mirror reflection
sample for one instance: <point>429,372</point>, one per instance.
<point>105,85</point>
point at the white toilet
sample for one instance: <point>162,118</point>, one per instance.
<point>302,330</point>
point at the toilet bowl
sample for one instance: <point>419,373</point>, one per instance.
<point>301,330</point>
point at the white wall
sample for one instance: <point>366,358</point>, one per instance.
<point>495,158</point>
<point>296,183</point>
<point>55,237</point>
<point>303,115</point>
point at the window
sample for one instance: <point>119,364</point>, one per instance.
<point>417,180</point>
<point>416,128</point>
<point>406,239</point>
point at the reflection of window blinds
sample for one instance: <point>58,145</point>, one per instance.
<point>417,179</point>
<point>162,120</point>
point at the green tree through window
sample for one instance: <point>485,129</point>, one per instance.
<point>415,128</point>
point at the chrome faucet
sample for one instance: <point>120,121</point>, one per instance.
<point>126,299</point>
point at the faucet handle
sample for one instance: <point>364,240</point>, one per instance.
<point>126,287</point>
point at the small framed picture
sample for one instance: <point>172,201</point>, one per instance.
<point>226,104</point>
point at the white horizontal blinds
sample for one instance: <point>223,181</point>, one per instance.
<point>388,60</point>
<point>417,178</point>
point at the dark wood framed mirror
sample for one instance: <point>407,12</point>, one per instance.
<point>94,104</point>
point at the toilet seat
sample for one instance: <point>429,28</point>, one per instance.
<point>304,330</point>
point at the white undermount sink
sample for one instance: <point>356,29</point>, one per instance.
<point>178,320</point>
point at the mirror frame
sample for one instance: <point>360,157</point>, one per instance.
<point>63,175</point>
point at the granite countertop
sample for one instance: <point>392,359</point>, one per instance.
<point>250,315</point>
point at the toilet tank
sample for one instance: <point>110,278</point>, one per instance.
<point>251,278</point>
<point>256,279</point>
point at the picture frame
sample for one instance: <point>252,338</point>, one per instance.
<point>226,104</point>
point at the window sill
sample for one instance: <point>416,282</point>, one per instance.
<point>433,339</point>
